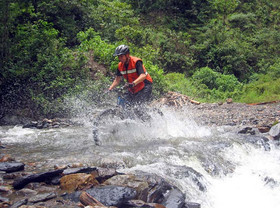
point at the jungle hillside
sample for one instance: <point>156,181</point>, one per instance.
<point>209,50</point>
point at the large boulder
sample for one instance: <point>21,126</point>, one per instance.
<point>132,181</point>
<point>157,186</point>
<point>107,195</point>
<point>112,195</point>
<point>77,181</point>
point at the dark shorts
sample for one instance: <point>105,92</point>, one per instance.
<point>142,96</point>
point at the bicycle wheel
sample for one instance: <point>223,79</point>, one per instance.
<point>103,120</point>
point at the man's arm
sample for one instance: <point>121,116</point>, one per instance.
<point>140,79</point>
<point>116,82</point>
<point>141,73</point>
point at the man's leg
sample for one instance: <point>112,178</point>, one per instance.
<point>144,95</point>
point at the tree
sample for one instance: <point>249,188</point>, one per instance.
<point>224,7</point>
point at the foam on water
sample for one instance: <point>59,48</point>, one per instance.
<point>17,134</point>
<point>172,124</point>
<point>254,183</point>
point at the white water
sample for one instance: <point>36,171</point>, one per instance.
<point>234,172</point>
<point>247,186</point>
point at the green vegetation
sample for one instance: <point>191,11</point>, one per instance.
<point>207,49</point>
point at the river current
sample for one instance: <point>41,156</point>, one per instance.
<point>213,166</point>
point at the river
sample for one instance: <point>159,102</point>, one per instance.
<point>213,166</point>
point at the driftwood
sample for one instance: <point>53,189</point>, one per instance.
<point>175,99</point>
<point>264,103</point>
<point>87,199</point>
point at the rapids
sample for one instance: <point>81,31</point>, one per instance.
<point>213,166</point>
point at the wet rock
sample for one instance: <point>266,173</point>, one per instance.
<point>32,206</point>
<point>27,192</point>
<point>192,205</point>
<point>19,203</point>
<point>14,175</point>
<point>32,124</point>
<point>3,199</point>
<point>215,168</point>
<point>10,167</point>
<point>263,129</point>
<point>42,125</point>
<point>76,165</point>
<point>40,177</point>
<point>275,131</point>
<point>105,173</point>
<point>86,200</point>
<point>56,167</point>
<point>112,195</point>
<point>5,189</point>
<point>132,181</point>
<point>157,186</point>
<point>271,182</point>
<point>42,197</point>
<point>54,181</point>
<point>260,141</point>
<point>188,172</point>
<point>174,199</point>
<point>2,146</point>
<point>75,196</point>
<point>4,204</point>
<point>34,185</point>
<point>107,195</point>
<point>247,130</point>
<point>77,181</point>
<point>44,188</point>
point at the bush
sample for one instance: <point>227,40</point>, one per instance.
<point>261,90</point>
<point>263,87</point>
<point>216,85</point>
<point>179,83</point>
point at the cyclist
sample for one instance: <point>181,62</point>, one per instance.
<point>139,82</point>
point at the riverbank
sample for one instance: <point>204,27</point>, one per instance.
<point>261,116</point>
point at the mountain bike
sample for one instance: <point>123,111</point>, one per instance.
<point>123,110</point>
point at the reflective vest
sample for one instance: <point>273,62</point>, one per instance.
<point>130,74</point>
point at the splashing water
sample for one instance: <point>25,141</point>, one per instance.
<point>212,166</point>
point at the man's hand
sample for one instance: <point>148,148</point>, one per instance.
<point>106,91</point>
<point>130,85</point>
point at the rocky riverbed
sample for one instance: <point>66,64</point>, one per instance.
<point>257,115</point>
<point>76,185</point>
<point>261,116</point>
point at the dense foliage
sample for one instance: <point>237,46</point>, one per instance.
<point>207,49</point>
